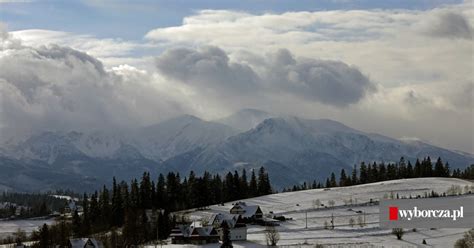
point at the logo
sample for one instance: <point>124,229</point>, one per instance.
<point>410,214</point>
<point>393,213</point>
<point>441,212</point>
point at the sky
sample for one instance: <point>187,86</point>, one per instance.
<point>399,68</point>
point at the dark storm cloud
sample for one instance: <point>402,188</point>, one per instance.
<point>208,67</point>
<point>329,82</point>
<point>450,25</point>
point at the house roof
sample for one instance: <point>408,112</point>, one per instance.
<point>249,210</point>
<point>80,243</point>
<point>191,231</point>
<point>232,220</point>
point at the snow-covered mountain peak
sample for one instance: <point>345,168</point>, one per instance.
<point>315,127</point>
<point>99,144</point>
<point>46,146</point>
<point>178,135</point>
<point>245,119</point>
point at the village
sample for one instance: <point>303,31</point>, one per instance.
<point>211,229</point>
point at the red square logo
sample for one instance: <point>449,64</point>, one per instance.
<point>393,213</point>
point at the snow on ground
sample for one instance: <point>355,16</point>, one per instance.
<point>236,244</point>
<point>298,205</point>
<point>65,197</point>
<point>8,227</point>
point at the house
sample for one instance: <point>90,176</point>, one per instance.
<point>249,213</point>
<point>85,243</point>
<point>237,226</point>
<point>6,205</point>
<point>152,214</point>
<point>196,235</point>
<point>70,207</point>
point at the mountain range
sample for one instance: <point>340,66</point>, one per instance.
<point>292,149</point>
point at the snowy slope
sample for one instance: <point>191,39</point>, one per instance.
<point>292,149</point>
<point>304,150</point>
<point>157,142</point>
<point>297,204</point>
<point>179,135</point>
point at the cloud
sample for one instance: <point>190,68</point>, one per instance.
<point>448,24</point>
<point>393,71</point>
<point>59,88</point>
<point>102,48</point>
<point>210,69</point>
<point>329,82</point>
<point>421,61</point>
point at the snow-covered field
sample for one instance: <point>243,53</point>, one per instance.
<point>8,227</point>
<point>297,205</point>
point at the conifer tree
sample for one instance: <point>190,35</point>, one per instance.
<point>342,178</point>
<point>117,205</point>
<point>160,192</point>
<point>363,177</point>
<point>76,224</point>
<point>354,179</point>
<point>375,173</point>
<point>447,170</point>
<point>244,187</point>
<point>253,185</point>
<point>104,206</point>
<point>226,242</point>
<point>44,237</point>
<point>370,179</point>
<point>94,211</point>
<point>145,191</point>
<point>264,187</point>
<point>237,183</point>
<point>382,172</point>
<point>229,188</point>
<point>402,169</point>
<point>134,194</point>
<point>439,168</point>
<point>418,171</point>
<point>216,185</point>
<point>86,224</point>
<point>333,181</point>
<point>409,172</point>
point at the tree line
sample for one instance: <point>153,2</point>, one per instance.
<point>377,172</point>
<point>29,205</point>
<point>142,208</point>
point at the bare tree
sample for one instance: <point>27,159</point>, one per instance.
<point>20,236</point>
<point>331,203</point>
<point>360,221</point>
<point>351,222</point>
<point>326,225</point>
<point>466,241</point>
<point>272,235</point>
<point>316,203</point>
<point>398,232</point>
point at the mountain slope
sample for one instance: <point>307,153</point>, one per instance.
<point>304,150</point>
<point>292,149</point>
<point>179,135</point>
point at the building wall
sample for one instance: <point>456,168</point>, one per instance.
<point>238,233</point>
